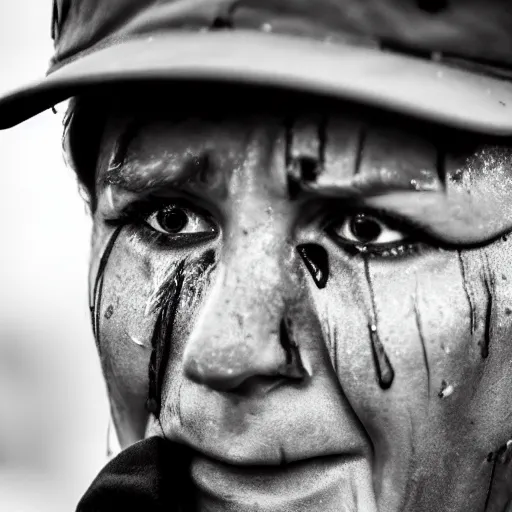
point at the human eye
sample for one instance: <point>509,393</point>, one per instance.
<point>179,219</point>
<point>165,223</point>
<point>373,233</point>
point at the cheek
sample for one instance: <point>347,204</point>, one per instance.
<point>147,299</point>
<point>124,335</point>
<point>436,317</point>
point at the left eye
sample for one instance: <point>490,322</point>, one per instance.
<point>174,220</point>
<point>366,229</point>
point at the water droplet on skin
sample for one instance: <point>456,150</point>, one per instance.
<point>137,342</point>
<point>446,390</point>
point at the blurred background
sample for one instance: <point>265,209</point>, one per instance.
<point>53,407</point>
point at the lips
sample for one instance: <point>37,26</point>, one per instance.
<point>326,483</point>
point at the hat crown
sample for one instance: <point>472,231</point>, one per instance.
<point>470,29</point>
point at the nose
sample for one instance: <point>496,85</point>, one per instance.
<point>242,331</point>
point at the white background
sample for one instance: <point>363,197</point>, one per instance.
<point>53,409</point>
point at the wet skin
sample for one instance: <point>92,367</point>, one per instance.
<point>319,304</point>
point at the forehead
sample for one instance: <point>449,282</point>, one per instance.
<point>147,144</point>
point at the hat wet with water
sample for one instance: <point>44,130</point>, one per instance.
<point>447,61</point>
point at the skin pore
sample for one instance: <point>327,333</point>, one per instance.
<point>316,300</point>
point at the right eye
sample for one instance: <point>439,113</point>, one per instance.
<point>177,219</point>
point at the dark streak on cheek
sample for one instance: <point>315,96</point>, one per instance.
<point>317,262</point>
<point>502,457</point>
<point>385,372</point>
<point>95,304</point>
<point>199,273</point>
<point>489,288</point>
<point>294,367</point>
<point>170,293</point>
<point>469,296</point>
<point>167,302</point>
<point>423,344</point>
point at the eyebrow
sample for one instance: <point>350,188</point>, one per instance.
<point>352,156</point>
<point>136,178</point>
<point>313,152</point>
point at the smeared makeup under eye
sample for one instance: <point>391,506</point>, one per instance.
<point>167,223</point>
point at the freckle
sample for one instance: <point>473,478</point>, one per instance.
<point>109,312</point>
<point>245,232</point>
<point>504,277</point>
<point>504,238</point>
<point>508,311</point>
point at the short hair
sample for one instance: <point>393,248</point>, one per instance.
<point>83,129</point>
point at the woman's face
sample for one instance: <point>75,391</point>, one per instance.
<point>319,304</point>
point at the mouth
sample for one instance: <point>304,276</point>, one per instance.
<point>325,483</point>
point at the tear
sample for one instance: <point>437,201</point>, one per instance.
<point>317,262</point>
<point>385,372</point>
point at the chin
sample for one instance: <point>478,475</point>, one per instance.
<point>333,483</point>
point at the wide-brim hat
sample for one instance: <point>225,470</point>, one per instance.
<point>441,61</point>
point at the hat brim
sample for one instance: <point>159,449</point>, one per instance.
<point>412,86</point>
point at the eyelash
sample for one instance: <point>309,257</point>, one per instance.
<point>412,245</point>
